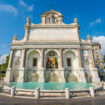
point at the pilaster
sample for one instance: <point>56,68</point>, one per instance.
<point>42,61</point>
<point>10,58</point>
<point>94,70</point>
<point>92,59</point>
<point>23,58</point>
<point>81,69</point>
<point>8,71</point>
<point>62,72</point>
<point>80,60</point>
<point>22,70</point>
<point>61,59</point>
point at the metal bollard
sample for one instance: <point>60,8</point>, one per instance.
<point>67,93</point>
<point>92,92</point>
<point>37,93</point>
<point>13,89</point>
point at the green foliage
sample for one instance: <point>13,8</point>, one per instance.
<point>2,74</point>
<point>3,67</point>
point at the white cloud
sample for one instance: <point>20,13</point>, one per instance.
<point>8,8</point>
<point>97,21</point>
<point>28,8</point>
<point>101,40</point>
<point>21,2</point>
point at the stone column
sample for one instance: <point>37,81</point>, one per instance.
<point>22,70</point>
<point>9,69</point>
<point>13,90</point>
<point>61,59</point>
<point>79,56</point>
<point>10,58</point>
<point>92,59</point>
<point>94,70</point>
<point>37,93</point>
<point>92,92</point>
<point>81,69</point>
<point>62,73</point>
<point>42,58</point>
<point>41,69</point>
<point>67,93</point>
<point>23,58</point>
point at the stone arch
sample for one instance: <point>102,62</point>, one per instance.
<point>31,75</point>
<point>16,67</point>
<point>30,51</point>
<point>52,50</point>
<point>33,54</point>
<point>72,55</point>
<point>37,50</point>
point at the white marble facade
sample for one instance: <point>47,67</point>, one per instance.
<point>73,58</point>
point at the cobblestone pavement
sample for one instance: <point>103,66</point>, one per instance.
<point>99,100</point>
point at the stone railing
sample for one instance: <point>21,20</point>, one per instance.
<point>37,93</point>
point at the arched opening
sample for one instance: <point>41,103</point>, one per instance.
<point>70,60</point>
<point>33,64</point>
<point>70,63</point>
<point>16,68</point>
<point>34,60</point>
<point>52,60</point>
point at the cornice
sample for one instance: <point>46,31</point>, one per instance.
<point>73,25</point>
<point>51,43</point>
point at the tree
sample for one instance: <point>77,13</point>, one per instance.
<point>3,67</point>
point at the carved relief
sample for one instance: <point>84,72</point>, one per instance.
<point>51,19</point>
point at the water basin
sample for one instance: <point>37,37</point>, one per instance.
<point>51,86</point>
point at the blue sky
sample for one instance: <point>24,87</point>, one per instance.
<point>13,14</point>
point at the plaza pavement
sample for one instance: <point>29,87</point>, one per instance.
<point>99,100</point>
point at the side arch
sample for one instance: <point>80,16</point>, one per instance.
<point>70,54</point>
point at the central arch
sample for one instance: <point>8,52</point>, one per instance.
<point>51,65</point>
<point>51,60</point>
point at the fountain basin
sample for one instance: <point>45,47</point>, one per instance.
<point>51,86</point>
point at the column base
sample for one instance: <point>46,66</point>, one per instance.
<point>41,75</point>
<point>62,75</point>
<point>7,78</point>
<point>82,78</point>
<point>95,76</point>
